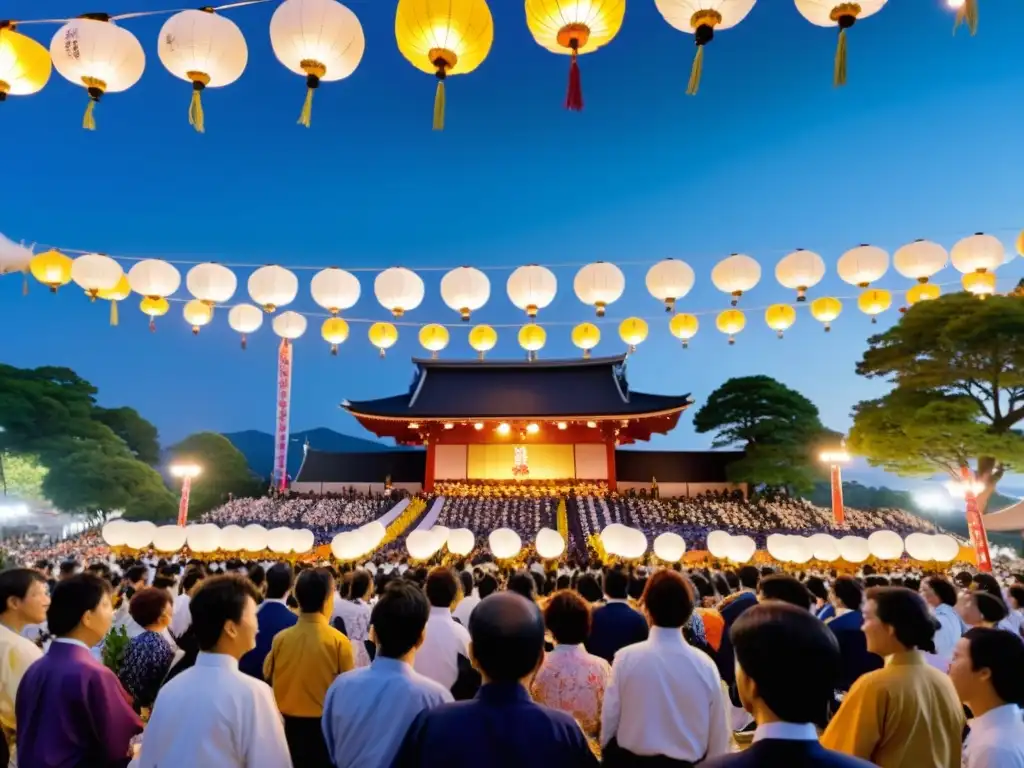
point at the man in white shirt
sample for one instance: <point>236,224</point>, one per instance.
<point>213,714</point>
<point>469,601</point>
<point>988,673</point>
<point>666,698</point>
<point>355,613</point>
<point>182,617</point>
<point>24,598</point>
<point>445,640</point>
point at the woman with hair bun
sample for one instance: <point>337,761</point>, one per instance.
<point>907,713</point>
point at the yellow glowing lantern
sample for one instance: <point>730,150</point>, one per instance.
<point>483,338</point>
<point>154,307</point>
<point>197,314</point>
<point>633,331</point>
<point>433,338</point>
<point>24,64</point>
<point>923,292</point>
<point>981,284</point>
<point>1020,243</point>
<point>825,310</point>
<point>731,322</point>
<point>52,269</point>
<point>874,302</point>
<point>574,27</point>
<point>532,338</point>
<point>780,318</point>
<point>383,336</point>
<point>441,39</point>
<point>684,327</point>
<point>586,336</point>
<point>334,331</point>
<point>119,292</point>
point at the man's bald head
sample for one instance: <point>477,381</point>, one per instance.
<point>508,636</point>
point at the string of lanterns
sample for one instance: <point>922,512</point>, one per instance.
<point>530,288</point>
<point>323,41</point>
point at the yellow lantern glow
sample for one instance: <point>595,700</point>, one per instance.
<point>684,327</point>
<point>441,39</point>
<point>981,284</point>
<point>874,302</point>
<point>532,338</point>
<point>731,322</point>
<point>434,338</point>
<point>780,318</point>
<point>483,339</point>
<point>586,336</point>
<point>825,310</point>
<point>1020,243</point>
<point>119,292</point>
<point>383,336</point>
<point>154,306</point>
<point>197,314</point>
<point>24,64</point>
<point>633,331</point>
<point>574,27</point>
<point>923,292</point>
<point>52,269</point>
<point>334,331</point>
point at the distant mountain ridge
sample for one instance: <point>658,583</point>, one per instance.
<point>258,447</point>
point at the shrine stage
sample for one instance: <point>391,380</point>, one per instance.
<point>496,461</point>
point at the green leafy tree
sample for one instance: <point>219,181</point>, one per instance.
<point>224,470</point>
<point>138,434</point>
<point>778,428</point>
<point>957,369</point>
<point>23,475</point>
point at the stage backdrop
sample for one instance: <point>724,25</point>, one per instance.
<point>495,462</point>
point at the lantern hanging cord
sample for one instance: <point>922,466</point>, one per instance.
<point>143,14</point>
<point>314,71</point>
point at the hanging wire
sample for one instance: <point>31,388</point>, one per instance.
<point>143,14</point>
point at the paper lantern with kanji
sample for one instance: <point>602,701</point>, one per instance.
<point>245,319</point>
<point>731,322</point>
<point>211,283</point>
<point>273,287</point>
<point>800,271</point>
<point>121,291</point>
<point>335,289</point>
<point>383,336</point>
<point>197,314</point>
<point>289,325</point>
<point>586,336</point>
<point>399,290</point>
<point>334,331</point>
<point>465,289</point>
<point>633,331</point>
<point>531,288</point>
<point>320,39</point>
<point>825,310</point>
<point>979,284</point>
<point>920,260</point>
<point>977,253</point>
<point>205,49</point>
<point>574,27</point>
<point>863,265</point>
<point>874,302</point>
<point>923,292</point>
<point>155,280</point>
<point>684,327</point>
<point>598,285</point>
<point>780,318</point>
<point>831,13</point>
<point>532,338</point>
<point>95,272</point>
<point>669,280</point>
<point>52,269</point>
<point>735,275</point>
<point>442,39</point>
<point>96,54</point>
<point>433,338</point>
<point>483,339</point>
<point>702,18</point>
<point>24,64</point>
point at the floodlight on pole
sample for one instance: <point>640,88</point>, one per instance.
<point>835,460</point>
<point>186,473</point>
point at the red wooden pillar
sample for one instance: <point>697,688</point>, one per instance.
<point>428,475</point>
<point>610,449</point>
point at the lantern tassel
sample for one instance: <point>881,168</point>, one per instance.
<point>839,74</point>
<point>113,313</point>
<point>574,96</point>
<point>968,12</point>
<point>439,106</point>
<point>24,283</point>
<point>88,120</point>
<point>195,113</point>
<point>695,72</point>
<point>152,324</point>
<point>307,109</point>
<point>245,342</point>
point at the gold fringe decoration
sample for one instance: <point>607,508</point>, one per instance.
<point>703,23</point>
<point>695,72</point>
<point>113,313</point>
<point>95,88</point>
<point>196,118</point>
<point>306,116</point>
<point>439,106</point>
<point>88,120</point>
<point>839,72</point>
<point>24,283</point>
<point>314,71</point>
<point>967,13</point>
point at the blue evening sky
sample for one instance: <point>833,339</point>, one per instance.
<point>925,141</point>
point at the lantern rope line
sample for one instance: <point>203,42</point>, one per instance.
<point>144,14</point>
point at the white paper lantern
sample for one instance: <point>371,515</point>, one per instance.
<point>140,534</point>
<point>549,544</point>
<point>461,541</point>
<point>272,287</point>
<point>718,544</point>
<point>505,543</point>
<point>613,538</point>
<point>824,546</point>
<point>778,546</point>
<point>669,280</point>
<point>94,272</point>
<point>115,532</point>
<point>465,290</point>
<point>289,325</point>
<point>154,279</point>
<point>348,546</point>
<point>741,549</point>
<point>279,540</point>
<point>373,533</point>
<point>246,319</point>
<point>203,538</point>
<point>599,284</point>
<point>422,545</point>
<point>335,289</point>
<point>670,547</point>
<point>254,538</point>
<point>863,265</point>
<point>920,260</point>
<point>800,550</point>
<point>945,549</point>
<point>440,534</point>
<point>399,290</point>
<point>885,545</point>
<point>532,288</point>
<point>13,256</point>
<point>169,538</point>
<point>919,546</point>
<point>97,55</point>
<point>634,544</point>
<point>854,549</point>
<point>205,49</point>
<point>231,537</point>
<point>800,271</point>
<point>302,541</point>
<point>977,253</point>
<point>211,283</point>
<point>736,275</point>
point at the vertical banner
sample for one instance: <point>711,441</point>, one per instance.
<point>975,525</point>
<point>284,399</point>
<point>186,490</point>
<point>838,512</point>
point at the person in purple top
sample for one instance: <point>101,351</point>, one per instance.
<point>71,710</point>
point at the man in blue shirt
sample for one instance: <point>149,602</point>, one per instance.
<point>367,711</point>
<point>273,615</point>
<point>616,624</point>
<point>502,727</point>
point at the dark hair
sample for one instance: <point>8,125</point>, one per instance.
<point>488,586</point>
<point>907,613</point>
<point>16,582</point>
<point>986,582</point>
<point>257,575</point>
<point>1002,653</point>
<point>147,605</point>
<point>1017,593</point>
<point>616,584</point>
<point>912,582</point>
<point>466,578</point>
<point>136,573</point>
<point>163,582</point>
<point>563,582</point>
<point>399,617</point>
<point>522,583</point>
<point>192,577</point>
<point>72,598</point>
<point>749,577</point>
<point>441,587</point>
<point>721,584</point>
<point>360,585</point>
<point>636,586</point>
<point>943,590</point>
<point>279,580</point>
<point>589,588</point>
<point>668,599</point>
<point>816,586</point>
<point>312,588</point>
<point>788,589</point>
<point>876,581</point>
<point>507,631</point>
<point>775,643</point>
<point>991,608</point>
<point>702,585</point>
<point>733,581</point>
<point>963,579</point>
<point>218,600</point>
<point>567,616</point>
<point>68,567</point>
<point>849,591</point>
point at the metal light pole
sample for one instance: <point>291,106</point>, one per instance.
<point>835,460</point>
<point>185,473</point>
<point>968,487</point>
